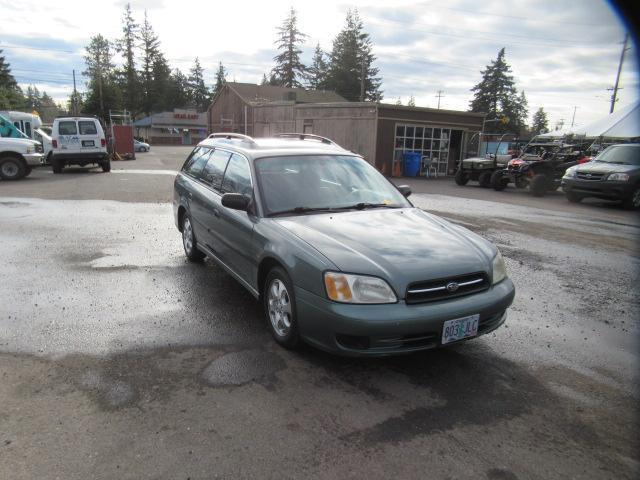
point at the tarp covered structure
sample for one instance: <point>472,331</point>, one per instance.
<point>623,123</point>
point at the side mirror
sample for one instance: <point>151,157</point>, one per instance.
<point>405,190</point>
<point>236,201</point>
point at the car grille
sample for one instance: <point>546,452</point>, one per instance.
<point>443,288</point>
<point>589,176</point>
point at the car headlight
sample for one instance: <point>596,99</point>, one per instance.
<point>499,269</point>
<point>619,177</point>
<point>347,288</point>
<point>29,149</point>
<point>570,173</point>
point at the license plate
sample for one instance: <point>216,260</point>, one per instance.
<point>88,143</point>
<point>460,328</point>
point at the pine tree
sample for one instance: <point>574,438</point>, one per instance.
<point>159,90</point>
<point>399,101</point>
<point>540,122</point>
<point>496,95</point>
<point>178,91</point>
<point>11,96</point>
<point>150,46</point>
<point>317,72</point>
<point>412,101</point>
<point>126,46</point>
<point>221,79</point>
<point>289,70</point>
<point>199,94</point>
<point>103,93</point>
<point>265,80</point>
<point>350,57</point>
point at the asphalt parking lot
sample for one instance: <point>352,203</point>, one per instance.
<point>119,359</point>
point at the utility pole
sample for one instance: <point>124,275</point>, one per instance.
<point>614,95</point>
<point>74,104</point>
<point>439,96</point>
<point>362,81</point>
<point>575,107</point>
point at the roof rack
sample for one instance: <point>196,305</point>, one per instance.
<point>231,136</point>
<point>304,136</point>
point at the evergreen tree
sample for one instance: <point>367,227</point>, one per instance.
<point>150,46</point>
<point>496,95</point>
<point>33,101</point>
<point>412,101</point>
<point>289,70</point>
<point>11,96</point>
<point>350,57</point>
<point>129,74</point>
<point>540,122</point>
<point>48,108</point>
<point>399,101</point>
<point>103,92</point>
<point>178,91</point>
<point>221,79</point>
<point>265,80</point>
<point>317,72</point>
<point>161,85</point>
<point>199,94</point>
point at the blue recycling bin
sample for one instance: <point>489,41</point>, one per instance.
<point>412,162</point>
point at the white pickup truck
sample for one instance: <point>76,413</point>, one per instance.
<point>18,156</point>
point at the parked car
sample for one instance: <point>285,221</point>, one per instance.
<point>612,175</point>
<point>336,253</point>
<point>79,141</point>
<point>18,157</point>
<point>139,146</point>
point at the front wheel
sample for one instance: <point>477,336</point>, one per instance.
<point>12,168</point>
<point>573,197</point>
<point>539,185</point>
<point>461,178</point>
<point>633,202</point>
<point>280,308</point>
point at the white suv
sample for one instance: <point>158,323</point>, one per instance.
<point>78,141</point>
<point>18,156</point>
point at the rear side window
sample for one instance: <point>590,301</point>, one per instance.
<point>197,162</point>
<point>237,178</point>
<point>67,128</point>
<point>87,128</point>
<point>214,171</point>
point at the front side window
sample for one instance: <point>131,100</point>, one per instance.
<point>67,128</point>
<point>214,170</point>
<point>323,181</point>
<point>197,162</point>
<point>237,178</point>
<point>87,128</point>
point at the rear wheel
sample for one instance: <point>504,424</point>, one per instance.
<point>12,168</point>
<point>461,178</point>
<point>539,184</point>
<point>280,308</point>
<point>498,181</point>
<point>485,179</point>
<point>633,202</point>
<point>106,166</point>
<point>56,165</point>
<point>189,241</point>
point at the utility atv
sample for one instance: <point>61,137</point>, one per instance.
<point>541,167</point>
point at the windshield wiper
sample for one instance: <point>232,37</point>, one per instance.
<point>301,210</point>
<point>363,205</point>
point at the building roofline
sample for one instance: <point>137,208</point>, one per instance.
<point>390,106</point>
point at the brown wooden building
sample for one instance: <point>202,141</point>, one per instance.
<point>380,132</point>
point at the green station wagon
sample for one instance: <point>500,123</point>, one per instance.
<point>338,256</point>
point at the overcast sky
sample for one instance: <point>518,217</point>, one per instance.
<point>563,53</point>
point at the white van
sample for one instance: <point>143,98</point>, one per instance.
<point>78,141</point>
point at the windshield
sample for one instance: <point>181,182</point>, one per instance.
<point>622,154</point>
<point>323,182</point>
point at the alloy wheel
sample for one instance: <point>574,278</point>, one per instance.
<point>279,308</point>
<point>187,236</point>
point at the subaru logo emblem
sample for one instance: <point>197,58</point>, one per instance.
<point>452,287</point>
<point>588,175</point>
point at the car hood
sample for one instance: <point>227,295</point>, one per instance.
<point>24,142</point>
<point>604,167</point>
<point>400,245</point>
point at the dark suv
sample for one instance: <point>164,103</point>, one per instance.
<point>613,175</point>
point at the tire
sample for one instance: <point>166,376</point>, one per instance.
<point>279,306</point>
<point>485,179</point>
<point>573,197</point>
<point>56,165</point>
<point>189,241</point>
<point>28,170</point>
<point>538,185</point>
<point>633,201</point>
<point>498,181</point>
<point>461,178</point>
<point>106,166</point>
<point>12,168</point>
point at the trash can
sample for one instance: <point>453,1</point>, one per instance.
<point>412,163</point>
